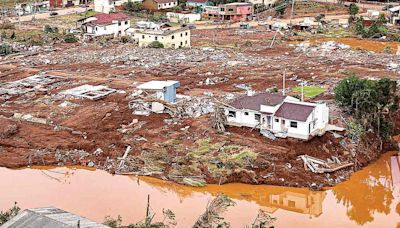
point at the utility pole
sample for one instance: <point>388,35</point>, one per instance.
<point>291,13</point>
<point>283,82</point>
<point>302,90</point>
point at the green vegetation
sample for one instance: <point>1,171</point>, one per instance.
<point>280,7</point>
<point>376,30</point>
<point>310,91</point>
<point>353,11</point>
<point>133,6</point>
<point>371,102</point>
<point>50,29</point>
<point>70,38</point>
<point>5,49</point>
<point>9,214</point>
<point>156,44</point>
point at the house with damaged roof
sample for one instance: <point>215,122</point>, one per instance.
<point>278,115</point>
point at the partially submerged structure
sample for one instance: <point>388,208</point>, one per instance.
<point>50,217</point>
<point>101,24</point>
<point>169,38</point>
<point>277,115</point>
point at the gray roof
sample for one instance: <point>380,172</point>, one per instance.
<point>49,217</point>
<point>254,102</point>
<point>292,111</point>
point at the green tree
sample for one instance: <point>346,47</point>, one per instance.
<point>9,214</point>
<point>353,11</point>
<point>156,44</point>
<point>70,38</point>
<point>133,6</point>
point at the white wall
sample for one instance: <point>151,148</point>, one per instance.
<point>174,40</point>
<point>113,29</point>
<point>242,119</point>
<point>183,17</point>
<point>104,6</point>
<point>167,5</point>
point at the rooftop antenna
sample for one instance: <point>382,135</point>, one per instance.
<point>283,82</point>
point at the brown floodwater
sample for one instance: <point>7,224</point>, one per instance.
<point>371,198</point>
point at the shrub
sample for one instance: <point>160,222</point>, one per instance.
<point>49,29</point>
<point>70,38</point>
<point>156,44</point>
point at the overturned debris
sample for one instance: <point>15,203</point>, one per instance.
<point>320,166</point>
<point>90,92</point>
<point>29,84</point>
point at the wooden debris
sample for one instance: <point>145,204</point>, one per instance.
<point>321,166</point>
<point>219,119</point>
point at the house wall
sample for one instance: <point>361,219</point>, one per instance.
<point>195,4</point>
<point>170,93</point>
<point>113,29</point>
<point>104,6</point>
<point>241,118</point>
<point>168,5</point>
<point>179,39</point>
<point>183,17</point>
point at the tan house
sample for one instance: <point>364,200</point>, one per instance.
<point>155,5</point>
<point>178,38</point>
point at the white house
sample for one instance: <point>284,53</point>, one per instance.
<point>284,116</point>
<point>183,18</point>
<point>170,38</point>
<point>106,24</point>
<point>163,90</point>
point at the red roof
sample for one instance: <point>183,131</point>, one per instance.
<point>254,102</point>
<point>291,111</point>
<point>105,19</point>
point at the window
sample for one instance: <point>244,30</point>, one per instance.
<point>181,34</point>
<point>119,23</point>
<point>155,37</point>
<point>169,4</point>
<point>293,124</point>
<point>246,113</point>
<point>181,43</point>
<point>172,37</point>
<point>232,114</point>
<point>185,41</point>
<point>95,29</point>
<point>257,117</point>
<point>277,120</point>
<point>185,33</point>
<point>291,203</point>
<point>222,9</point>
<point>230,10</point>
<point>142,36</point>
<point>126,22</point>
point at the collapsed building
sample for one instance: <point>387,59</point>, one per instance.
<point>278,116</point>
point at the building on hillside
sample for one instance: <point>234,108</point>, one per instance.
<point>267,3</point>
<point>65,3</point>
<point>106,24</point>
<point>156,5</point>
<point>197,3</point>
<point>30,8</point>
<point>282,116</point>
<point>162,90</point>
<point>108,6</point>
<point>170,38</point>
<point>49,217</point>
<point>237,11</point>
<point>183,18</point>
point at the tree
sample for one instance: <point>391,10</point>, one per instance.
<point>70,38</point>
<point>353,11</point>
<point>9,214</point>
<point>156,44</point>
<point>280,7</point>
<point>133,6</point>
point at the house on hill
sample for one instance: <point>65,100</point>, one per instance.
<point>197,3</point>
<point>156,5</point>
<point>283,116</point>
<point>106,24</point>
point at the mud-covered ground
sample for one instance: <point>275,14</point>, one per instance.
<point>96,133</point>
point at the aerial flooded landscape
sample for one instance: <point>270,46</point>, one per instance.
<point>199,113</point>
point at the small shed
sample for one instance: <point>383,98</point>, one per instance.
<point>164,90</point>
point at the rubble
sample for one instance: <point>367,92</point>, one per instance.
<point>89,92</point>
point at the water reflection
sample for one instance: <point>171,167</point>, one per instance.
<point>369,198</point>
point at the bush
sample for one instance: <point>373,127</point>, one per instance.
<point>156,44</point>
<point>70,38</point>
<point>133,6</point>
<point>9,214</point>
<point>49,29</point>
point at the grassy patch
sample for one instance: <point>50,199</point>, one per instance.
<point>309,91</point>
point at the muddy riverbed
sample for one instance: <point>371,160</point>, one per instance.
<point>371,197</point>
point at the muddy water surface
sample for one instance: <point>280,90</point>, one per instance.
<point>371,198</point>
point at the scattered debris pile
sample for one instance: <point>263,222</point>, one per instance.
<point>320,166</point>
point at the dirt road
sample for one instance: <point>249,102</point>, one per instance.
<point>61,12</point>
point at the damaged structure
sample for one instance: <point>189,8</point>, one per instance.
<point>161,90</point>
<point>89,92</point>
<point>278,116</point>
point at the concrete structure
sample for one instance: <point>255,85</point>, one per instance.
<point>395,15</point>
<point>284,116</point>
<point>197,3</point>
<point>179,38</point>
<point>267,3</point>
<point>30,8</point>
<point>163,90</point>
<point>49,218</point>
<point>106,24</point>
<point>237,11</point>
<point>183,18</point>
<point>155,5</point>
<point>65,3</point>
<point>108,6</point>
